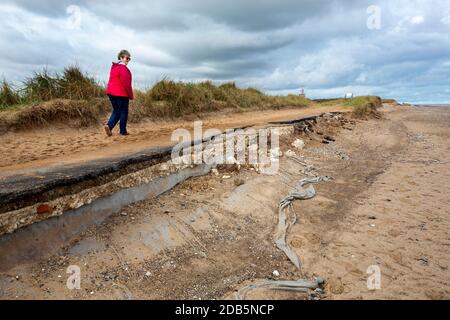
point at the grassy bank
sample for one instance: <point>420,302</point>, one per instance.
<point>175,99</point>
<point>390,101</point>
<point>77,100</point>
<point>363,106</point>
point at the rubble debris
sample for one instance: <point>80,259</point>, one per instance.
<point>343,155</point>
<point>423,260</point>
<point>328,139</point>
<point>233,162</point>
<point>275,153</point>
<point>44,209</point>
<point>299,144</point>
<point>290,153</point>
<point>335,286</point>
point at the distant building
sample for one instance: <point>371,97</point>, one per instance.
<point>302,92</point>
<point>348,95</point>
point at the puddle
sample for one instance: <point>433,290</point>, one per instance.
<point>86,246</point>
<point>45,238</point>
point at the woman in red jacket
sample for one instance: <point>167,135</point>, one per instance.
<point>120,93</point>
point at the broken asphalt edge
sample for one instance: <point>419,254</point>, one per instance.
<point>20,190</point>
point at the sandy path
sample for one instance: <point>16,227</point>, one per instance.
<point>60,145</point>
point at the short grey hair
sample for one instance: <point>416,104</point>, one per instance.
<point>123,53</point>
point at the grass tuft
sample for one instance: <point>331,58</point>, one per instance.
<point>8,96</point>
<point>72,84</point>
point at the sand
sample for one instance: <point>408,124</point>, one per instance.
<point>388,206</point>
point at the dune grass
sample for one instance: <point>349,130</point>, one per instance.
<point>78,100</point>
<point>390,101</point>
<point>75,99</point>
<point>72,84</point>
<point>362,106</point>
<point>174,99</point>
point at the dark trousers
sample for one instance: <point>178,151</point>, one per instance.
<point>119,113</point>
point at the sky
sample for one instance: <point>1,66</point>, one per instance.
<point>392,48</point>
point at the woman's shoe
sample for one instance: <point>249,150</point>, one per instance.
<point>125,134</point>
<point>107,130</point>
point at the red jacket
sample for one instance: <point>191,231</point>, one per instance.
<point>119,83</point>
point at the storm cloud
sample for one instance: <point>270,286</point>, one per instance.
<point>276,46</point>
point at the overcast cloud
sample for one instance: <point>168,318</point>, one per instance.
<point>276,46</point>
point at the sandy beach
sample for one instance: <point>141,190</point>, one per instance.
<point>387,206</point>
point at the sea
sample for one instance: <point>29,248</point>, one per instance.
<point>432,105</point>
